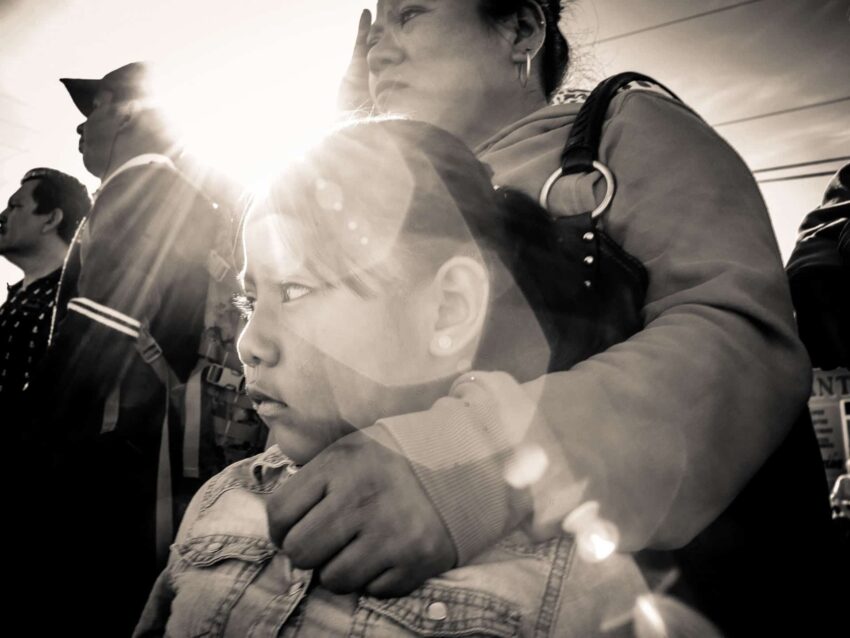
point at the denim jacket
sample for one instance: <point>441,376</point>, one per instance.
<point>225,578</point>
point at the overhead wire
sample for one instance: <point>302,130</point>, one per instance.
<point>793,177</point>
<point>677,21</point>
<point>782,111</point>
<point>712,12</point>
<point>826,160</point>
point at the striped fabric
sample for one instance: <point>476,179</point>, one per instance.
<point>105,315</point>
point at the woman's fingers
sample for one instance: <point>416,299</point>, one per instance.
<point>354,88</point>
<point>392,583</point>
<point>291,501</point>
<point>315,539</point>
<point>355,566</point>
<point>360,43</point>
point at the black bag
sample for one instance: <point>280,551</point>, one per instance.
<point>596,292</point>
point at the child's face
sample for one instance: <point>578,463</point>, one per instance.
<point>327,359</point>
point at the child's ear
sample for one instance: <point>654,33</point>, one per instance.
<point>463,290</point>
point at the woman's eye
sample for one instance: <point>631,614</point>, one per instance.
<point>291,291</point>
<point>408,13</point>
<point>245,305</point>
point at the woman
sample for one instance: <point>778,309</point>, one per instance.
<point>667,430</point>
<point>367,302</point>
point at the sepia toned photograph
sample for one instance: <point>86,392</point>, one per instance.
<point>426,318</point>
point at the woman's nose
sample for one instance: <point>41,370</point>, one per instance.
<point>384,50</point>
<point>80,128</point>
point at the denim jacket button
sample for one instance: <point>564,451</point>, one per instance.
<point>438,611</point>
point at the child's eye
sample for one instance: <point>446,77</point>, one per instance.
<point>291,291</point>
<point>244,304</point>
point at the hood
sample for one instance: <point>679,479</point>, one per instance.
<point>525,153</point>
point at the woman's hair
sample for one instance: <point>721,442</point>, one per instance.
<point>556,50</point>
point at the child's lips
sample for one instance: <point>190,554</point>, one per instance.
<point>270,409</point>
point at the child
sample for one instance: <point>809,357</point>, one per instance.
<point>379,269</point>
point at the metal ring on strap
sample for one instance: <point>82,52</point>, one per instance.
<point>606,201</point>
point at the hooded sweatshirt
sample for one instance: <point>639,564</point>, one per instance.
<point>665,429</point>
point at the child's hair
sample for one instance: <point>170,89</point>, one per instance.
<point>381,202</point>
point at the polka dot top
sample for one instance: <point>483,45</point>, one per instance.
<point>24,327</point>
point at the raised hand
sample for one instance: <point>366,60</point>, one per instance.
<point>354,89</point>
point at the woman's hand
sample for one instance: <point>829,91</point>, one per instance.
<point>354,89</point>
<point>358,514</point>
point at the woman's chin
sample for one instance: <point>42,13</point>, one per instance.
<point>401,102</point>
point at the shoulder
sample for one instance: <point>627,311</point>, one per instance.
<point>153,183</point>
<point>256,475</point>
<point>654,115</point>
<point>259,474</point>
<point>128,181</point>
<point>155,201</point>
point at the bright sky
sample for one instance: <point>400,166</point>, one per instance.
<point>244,76</point>
<point>252,81</point>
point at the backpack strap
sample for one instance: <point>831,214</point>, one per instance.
<point>581,152</point>
<point>151,352</point>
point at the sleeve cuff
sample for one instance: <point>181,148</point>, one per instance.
<point>458,450</point>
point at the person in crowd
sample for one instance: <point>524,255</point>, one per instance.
<point>819,274</point>
<point>36,228</point>
<point>367,302</point>
<point>692,435</point>
<point>98,407</point>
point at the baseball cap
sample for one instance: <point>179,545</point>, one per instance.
<point>129,82</point>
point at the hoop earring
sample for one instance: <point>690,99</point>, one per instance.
<point>524,70</point>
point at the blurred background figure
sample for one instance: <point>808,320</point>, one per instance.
<point>36,228</point>
<point>100,411</point>
<point>819,273</point>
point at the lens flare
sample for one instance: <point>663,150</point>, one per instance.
<point>596,538</point>
<point>659,616</point>
<point>328,195</point>
<point>526,467</point>
<point>601,544</point>
<point>648,620</point>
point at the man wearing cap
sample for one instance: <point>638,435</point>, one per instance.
<point>35,230</point>
<point>137,284</point>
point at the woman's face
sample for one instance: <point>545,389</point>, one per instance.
<point>437,61</point>
<point>321,360</point>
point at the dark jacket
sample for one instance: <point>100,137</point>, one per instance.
<point>142,257</point>
<point>819,274</point>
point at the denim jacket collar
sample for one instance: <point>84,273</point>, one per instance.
<point>268,465</point>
